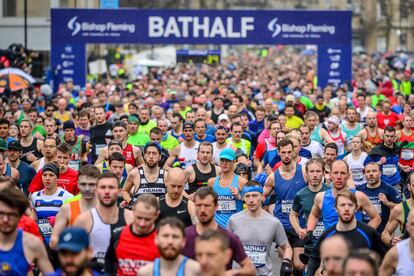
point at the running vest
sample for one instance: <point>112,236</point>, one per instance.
<point>188,156</point>
<point>101,233</point>
<point>285,190</point>
<point>13,262</point>
<point>180,212</point>
<point>351,132</point>
<point>157,267</point>
<point>156,188</point>
<point>316,136</point>
<point>32,148</point>
<point>217,151</point>
<point>339,141</point>
<point>357,168</point>
<point>75,211</point>
<point>75,161</point>
<point>374,140</point>
<point>200,179</point>
<point>405,266</point>
<point>329,214</point>
<point>128,153</point>
<point>227,203</point>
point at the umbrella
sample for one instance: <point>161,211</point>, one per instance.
<point>14,79</point>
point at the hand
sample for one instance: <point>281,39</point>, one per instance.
<point>308,237</point>
<point>39,136</point>
<point>31,157</point>
<point>395,240</point>
<point>383,198</point>
<point>53,242</point>
<point>235,192</point>
<point>302,233</point>
<point>406,169</point>
<point>383,160</point>
<point>191,197</point>
<point>123,204</point>
<point>261,178</point>
<point>231,272</point>
<point>286,268</point>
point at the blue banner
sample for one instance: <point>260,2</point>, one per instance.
<point>77,27</point>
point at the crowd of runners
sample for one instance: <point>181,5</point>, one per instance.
<point>212,170</point>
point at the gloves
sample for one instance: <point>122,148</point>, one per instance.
<point>131,203</point>
<point>261,178</point>
<point>286,268</point>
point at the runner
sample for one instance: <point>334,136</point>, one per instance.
<point>73,207</point>
<point>286,182</point>
<point>177,127</point>
<point>48,201</point>
<point>372,133</point>
<point>117,165</point>
<point>236,139</point>
<point>186,151</point>
<point>25,171</point>
<point>318,133</point>
<point>113,146</point>
<point>350,126</point>
<point>334,251</point>
<point>49,154</point>
<point>5,168</point>
<point>136,137</point>
<point>148,179</point>
<point>105,220</point>
<point>228,187</point>
<point>51,128</point>
<point>98,132</point>
<point>312,146</point>
<point>298,154</point>
<point>355,160</point>
<point>406,137</point>
<point>76,143</point>
<point>206,203</point>
<point>132,154</point>
<point>173,204</point>
<point>170,242</point>
<point>386,117</point>
<point>221,136</point>
<point>134,246</point>
<point>398,216</point>
<point>31,147</point>
<point>200,132</point>
<point>337,135</point>
<point>360,263</point>
<point>363,109</point>
<point>198,174</point>
<point>383,196</point>
<point>398,260</point>
<point>271,230</point>
<point>168,141</point>
<point>18,249</point>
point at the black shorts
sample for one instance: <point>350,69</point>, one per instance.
<point>293,239</point>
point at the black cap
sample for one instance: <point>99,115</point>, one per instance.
<point>14,145</point>
<point>68,124</point>
<point>188,124</point>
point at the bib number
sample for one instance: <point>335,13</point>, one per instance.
<point>389,170</point>
<point>320,227</point>
<point>227,206</point>
<point>286,207</point>
<point>357,175</point>
<point>74,164</point>
<point>98,148</point>
<point>45,226</point>
<point>407,154</point>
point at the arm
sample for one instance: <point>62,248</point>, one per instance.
<point>287,251</point>
<point>294,221</point>
<point>39,145</point>
<point>315,212</point>
<point>269,185</point>
<point>60,224</point>
<point>246,269</point>
<point>39,253</point>
<point>133,177</point>
<point>173,155</point>
<point>15,174</point>
<point>103,154</point>
<point>324,135</point>
<point>191,211</point>
<point>391,226</point>
<point>389,264</point>
<point>367,206</point>
<point>139,160</point>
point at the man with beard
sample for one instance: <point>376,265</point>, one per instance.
<point>74,253</point>
<point>149,179</point>
<point>206,203</point>
<point>132,154</point>
<point>220,144</point>
<point>31,147</point>
<point>372,133</point>
<point>173,204</point>
<point>98,132</point>
<point>398,260</point>
<point>198,174</point>
<point>186,151</point>
<point>134,246</point>
<point>26,172</point>
<point>286,182</point>
<point>358,234</point>
<point>68,178</point>
<point>258,248</point>
<point>170,242</point>
<point>88,175</point>
<point>76,143</point>
<point>49,154</point>
<point>18,249</point>
<point>399,216</point>
<point>351,127</point>
<point>383,196</point>
<point>51,127</point>
<point>105,220</point>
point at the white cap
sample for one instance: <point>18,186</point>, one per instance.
<point>223,117</point>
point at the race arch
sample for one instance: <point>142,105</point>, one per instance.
<point>73,29</point>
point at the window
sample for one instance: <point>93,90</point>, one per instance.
<point>35,8</point>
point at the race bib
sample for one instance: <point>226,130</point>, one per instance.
<point>320,227</point>
<point>389,170</point>
<point>257,254</point>
<point>378,207</point>
<point>357,175</point>
<point>227,205</point>
<point>98,148</point>
<point>45,226</point>
<point>286,206</point>
<point>74,164</point>
<point>407,154</point>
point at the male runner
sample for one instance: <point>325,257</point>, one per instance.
<point>206,203</point>
<point>98,132</point>
<point>258,248</point>
<point>236,139</point>
<point>406,137</point>
<point>372,133</point>
<point>168,141</point>
<point>31,147</point>
<point>313,146</point>
<point>170,241</point>
<point>134,246</point>
<point>220,144</point>
<point>399,260</point>
<point>200,132</point>
<point>26,172</point>
<point>18,249</point>
<point>334,251</point>
<point>173,204</point>
<point>105,220</point>
<point>51,128</point>
<point>136,137</point>
<point>198,174</point>
<point>186,151</point>
<point>383,196</point>
<point>49,154</point>
<point>318,133</point>
<point>76,143</point>
<point>228,187</point>
<point>337,135</point>
<point>148,179</point>
<point>88,175</point>
<point>351,127</point>
<point>177,127</point>
<point>286,182</point>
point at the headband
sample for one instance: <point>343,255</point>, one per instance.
<point>249,189</point>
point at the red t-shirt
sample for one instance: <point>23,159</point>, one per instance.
<point>27,224</point>
<point>67,181</point>
<point>387,120</point>
<point>128,153</point>
<point>134,251</point>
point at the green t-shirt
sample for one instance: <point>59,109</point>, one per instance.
<point>138,139</point>
<point>147,127</point>
<point>375,99</point>
<point>304,198</point>
<point>40,129</point>
<point>169,143</point>
<point>307,102</point>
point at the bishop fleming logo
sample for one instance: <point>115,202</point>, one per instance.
<point>74,26</point>
<point>274,27</point>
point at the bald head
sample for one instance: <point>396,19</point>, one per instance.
<point>333,249</point>
<point>175,182</point>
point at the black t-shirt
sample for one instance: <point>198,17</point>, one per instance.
<point>363,236</point>
<point>98,138</point>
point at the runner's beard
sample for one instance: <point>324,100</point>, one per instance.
<point>82,267</point>
<point>172,254</point>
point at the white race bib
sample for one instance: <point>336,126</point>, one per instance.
<point>407,154</point>
<point>320,227</point>
<point>286,207</point>
<point>357,175</point>
<point>74,164</point>
<point>227,206</point>
<point>44,226</point>
<point>98,148</point>
<point>389,169</point>
<point>257,254</point>
<point>378,207</point>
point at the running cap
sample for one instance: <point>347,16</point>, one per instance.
<point>228,154</point>
<point>74,239</point>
